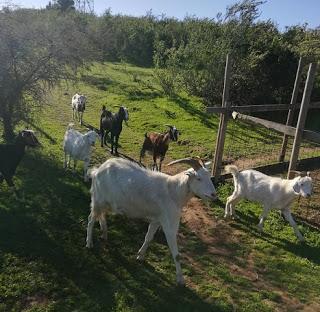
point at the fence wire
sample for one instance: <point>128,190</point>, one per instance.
<point>249,146</point>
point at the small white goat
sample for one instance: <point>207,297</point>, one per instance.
<point>121,186</point>
<point>78,146</point>
<point>271,192</point>
<point>78,104</point>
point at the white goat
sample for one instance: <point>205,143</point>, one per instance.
<point>271,192</point>
<point>78,146</point>
<point>121,186</point>
<point>78,104</point>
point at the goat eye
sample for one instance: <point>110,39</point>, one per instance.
<point>199,179</point>
<point>301,184</point>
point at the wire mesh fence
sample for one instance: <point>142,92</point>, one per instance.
<point>249,146</point>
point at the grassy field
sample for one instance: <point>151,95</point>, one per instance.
<point>228,265</point>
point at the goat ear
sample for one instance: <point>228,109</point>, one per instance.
<point>296,187</point>
<point>308,173</point>
<point>207,164</point>
<point>190,173</point>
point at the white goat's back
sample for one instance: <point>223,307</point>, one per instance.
<point>124,187</point>
<point>256,185</point>
<point>78,145</point>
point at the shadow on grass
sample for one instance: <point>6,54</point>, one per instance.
<point>242,130</point>
<point>49,227</point>
<point>101,83</point>
<point>45,134</point>
<point>138,94</point>
<point>248,222</point>
<point>190,109</point>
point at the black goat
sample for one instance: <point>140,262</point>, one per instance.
<point>112,123</point>
<point>11,154</point>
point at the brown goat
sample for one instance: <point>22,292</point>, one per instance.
<point>157,144</point>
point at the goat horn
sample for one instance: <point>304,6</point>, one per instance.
<point>195,163</point>
<point>300,173</point>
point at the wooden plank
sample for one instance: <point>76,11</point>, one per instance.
<point>267,123</point>
<point>306,164</point>
<point>293,102</point>
<point>309,135</point>
<point>258,108</point>
<point>217,160</point>
<point>302,117</point>
<point>248,108</point>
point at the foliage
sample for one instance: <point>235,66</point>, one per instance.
<point>62,5</point>
<point>38,49</point>
<point>258,49</point>
<point>126,38</point>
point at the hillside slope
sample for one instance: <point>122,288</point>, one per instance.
<point>228,265</point>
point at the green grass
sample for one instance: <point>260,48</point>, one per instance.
<point>44,265</point>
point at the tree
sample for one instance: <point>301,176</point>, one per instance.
<point>65,5</point>
<point>38,49</point>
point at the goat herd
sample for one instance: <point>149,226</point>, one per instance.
<point>125,187</point>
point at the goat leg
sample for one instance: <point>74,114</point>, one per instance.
<point>112,142</point>
<point>116,145</point>
<point>102,136</point>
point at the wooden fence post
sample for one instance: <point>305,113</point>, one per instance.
<point>218,153</point>
<point>292,110</point>
<point>302,118</point>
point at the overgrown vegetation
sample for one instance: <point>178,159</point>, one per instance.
<point>38,49</point>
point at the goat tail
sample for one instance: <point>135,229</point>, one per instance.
<point>70,126</point>
<point>92,172</point>
<point>232,169</point>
